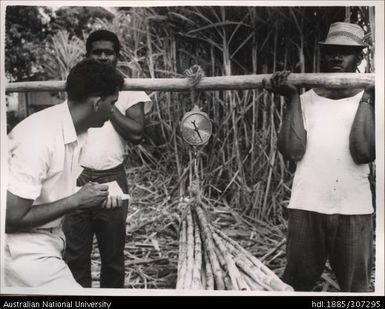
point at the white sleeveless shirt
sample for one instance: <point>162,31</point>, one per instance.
<point>326,179</point>
<point>104,148</point>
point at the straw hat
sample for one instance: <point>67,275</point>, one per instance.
<point>346,34</point>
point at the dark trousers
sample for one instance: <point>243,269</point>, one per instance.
<point>346,240</point>
<point>109,226</point>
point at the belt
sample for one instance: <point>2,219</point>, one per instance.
<point>117,168</point>
<point>46,229</point>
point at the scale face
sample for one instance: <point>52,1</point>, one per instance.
<point>196,127</point>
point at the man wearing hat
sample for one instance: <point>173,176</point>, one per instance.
<point>330,133</point>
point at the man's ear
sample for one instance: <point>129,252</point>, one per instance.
<point>95,102</point>
<point>359,57</point>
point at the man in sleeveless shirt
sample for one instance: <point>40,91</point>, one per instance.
<point>103,162</point>
<point>330,133</point>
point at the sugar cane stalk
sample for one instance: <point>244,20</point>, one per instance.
<point>210,259</point>
<point>182,255</point>
<point>252,285</point>
<point>222,263</point>
<point>242,283</point>
<point>209,246</point>
<point>196,276</point>
<point>208,272</point>
<point>253,273</point>
<point>229,262</point>
<point>249,263</point>
<point>248,267</point>
<point>190,250</point>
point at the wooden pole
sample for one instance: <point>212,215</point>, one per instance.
<point>235,82</point>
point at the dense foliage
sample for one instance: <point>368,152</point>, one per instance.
<point>25,32</point>
<point>29,31</point>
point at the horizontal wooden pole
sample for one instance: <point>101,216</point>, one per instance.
<point>235,82</point>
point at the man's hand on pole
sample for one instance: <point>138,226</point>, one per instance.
<point>279,84</point>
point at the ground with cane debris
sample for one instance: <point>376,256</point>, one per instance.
<point>152,236</point>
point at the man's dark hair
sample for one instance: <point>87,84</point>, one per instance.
<point>102,35</point>
<point>92,78</point>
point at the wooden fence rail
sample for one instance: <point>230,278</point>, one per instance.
<point>235,82</point>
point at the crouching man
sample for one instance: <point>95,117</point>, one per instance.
<point>43,160</point>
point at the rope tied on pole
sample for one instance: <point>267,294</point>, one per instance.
<point>194,75</point>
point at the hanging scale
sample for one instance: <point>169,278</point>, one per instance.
<point>196,127</point>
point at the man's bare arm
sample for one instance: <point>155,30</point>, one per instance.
<point>21,216</point>
<point>131,125</point>
<point>362,134</point>
<point>292,136</point>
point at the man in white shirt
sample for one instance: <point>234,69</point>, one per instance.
<point>43,162</point>
<point>331,135</point>
<point>103,162</point>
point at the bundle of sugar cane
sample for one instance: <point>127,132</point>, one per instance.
<point>210,260</point>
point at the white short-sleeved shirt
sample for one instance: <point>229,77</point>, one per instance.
<point>326,179</point>
<point>104,147</point>
<point>43,157</point>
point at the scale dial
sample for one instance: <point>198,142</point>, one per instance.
<point>196,127</point>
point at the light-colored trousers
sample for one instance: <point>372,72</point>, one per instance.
<point>36,260</point>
